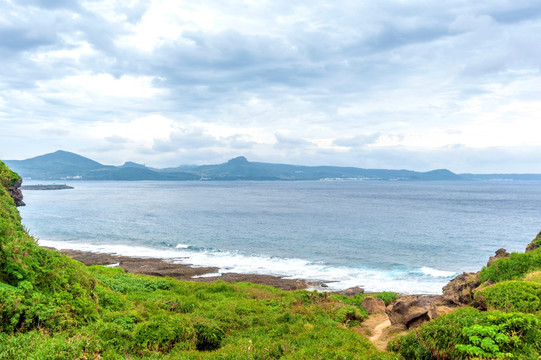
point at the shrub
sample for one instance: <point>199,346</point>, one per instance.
<point>209,334</point>
<point>534,276</point>
<point>349,315</point>
<point>511,296</point>
<point>514,267</point>
<point>468,332</point>
<point>164,332</point>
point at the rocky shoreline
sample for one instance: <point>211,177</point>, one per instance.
<point>159,267</point>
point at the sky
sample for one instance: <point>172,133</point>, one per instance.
<point>398,84</point>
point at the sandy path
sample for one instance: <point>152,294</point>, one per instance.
<point>378,330</point>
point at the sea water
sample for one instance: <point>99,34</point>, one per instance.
<point>410,237</point>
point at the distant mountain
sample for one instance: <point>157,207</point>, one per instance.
<point>502,177</point>
<point>66,165</point>
<point>57,165</point>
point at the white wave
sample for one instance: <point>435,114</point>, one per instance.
<point>207,275</point>
<point>335,277</point>
<point>182,246</point>
<point>436,273</point>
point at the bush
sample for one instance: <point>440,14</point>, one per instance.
<point>209,334</point>
<point>511,296</point>
<point>534,276</point>
<point>514,267</point>
<point>468,332</point>
<point>162,333</point>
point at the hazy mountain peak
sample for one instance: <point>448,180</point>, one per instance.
<point>238,160</point>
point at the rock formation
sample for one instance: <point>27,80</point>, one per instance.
<point>16,193</point>
<point>535,243</point>
<point>413,310</point>
<point>351,291</point>
<point>373,305</point>
<point>500,253</point>
<point>459,291</point>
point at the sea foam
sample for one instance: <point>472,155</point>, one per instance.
<point>335,278</point>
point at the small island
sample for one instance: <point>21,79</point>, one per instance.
<point>46,187</point>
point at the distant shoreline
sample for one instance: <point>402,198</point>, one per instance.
<point>46,187</point>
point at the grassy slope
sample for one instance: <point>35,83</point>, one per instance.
<point>52,307</point>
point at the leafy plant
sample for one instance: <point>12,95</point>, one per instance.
<point>517,296</point>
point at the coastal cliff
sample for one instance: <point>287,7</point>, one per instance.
<point>16,193</point>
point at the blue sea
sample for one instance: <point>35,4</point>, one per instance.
<point>410,237</point>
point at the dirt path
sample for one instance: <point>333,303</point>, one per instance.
<point>374,329</point>
<point>378,330</point>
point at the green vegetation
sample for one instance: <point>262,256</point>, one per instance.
<point>511,328</point>
<point>52,307</point>
<point>534,276</point>
<point>469,333</point>
<point>514,267</point>
<point>519,296</point>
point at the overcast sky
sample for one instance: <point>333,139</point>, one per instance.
<point>376,84</point>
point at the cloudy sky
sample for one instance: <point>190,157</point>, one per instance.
<point>378,84</point>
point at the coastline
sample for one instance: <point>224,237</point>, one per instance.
<point>160,267</point>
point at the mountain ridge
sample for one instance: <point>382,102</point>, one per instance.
<point>67,165</point>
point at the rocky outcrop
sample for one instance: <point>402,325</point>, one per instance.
<point>413,310</point>
<point>351,291</point>
<point>535,243</point>
<point>459,291</point>
<point>373,305</point>
<point>500,253</point>
<point>16,193</point>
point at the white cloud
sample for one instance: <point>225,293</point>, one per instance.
<point>351,83</point>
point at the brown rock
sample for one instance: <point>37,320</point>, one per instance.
<point>413,310</point>
<point>351,291</point>
<point>16,193</point>
<point>459,291</point>
<point>500,253</point>
<point>373,305</point>
<point>535,243</point>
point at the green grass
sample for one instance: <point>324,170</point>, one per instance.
<point>514,267</point>
<point>511,296</point>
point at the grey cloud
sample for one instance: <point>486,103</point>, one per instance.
<point>238,141</point>
<point>52,4</point>
<point>363,56</point>
<point>286,141</point>
<point>22,39</point>
<point>357,141</point>
<point>186,139</point>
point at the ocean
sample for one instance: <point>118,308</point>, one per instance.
<point>409,237</point>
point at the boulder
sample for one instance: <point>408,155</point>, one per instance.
<point>459,291</point>
<point>500,253</point>
<point>535,243</point>
<point>413,310</point>
<point>16,193</point>
<point>351,291</point>
<point>373,305</point>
